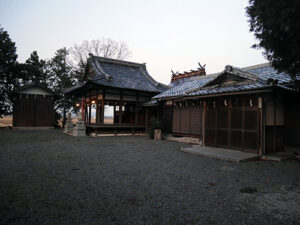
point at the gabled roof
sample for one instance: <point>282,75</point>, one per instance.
<point>31,85</point>
<point>121,74</point>
<point>255,77</point>
<point>180,90</point>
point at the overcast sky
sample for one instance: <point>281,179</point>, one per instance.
<point>164,34</point>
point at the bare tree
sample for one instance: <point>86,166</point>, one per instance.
<point>104,47</point>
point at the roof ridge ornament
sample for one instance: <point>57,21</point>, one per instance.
<point>192,73</point>
<point>228,68</point>
<point>201,67</point>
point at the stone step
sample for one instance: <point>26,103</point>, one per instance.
<point>186,140</point>
<point>279,156</point>
<point>220,153</point>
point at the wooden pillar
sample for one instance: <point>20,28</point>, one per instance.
<point>86,112</point>
<point>260,137</point>
<point>136,109</point>
<point>14,110</point>
<point>97,111</point>
<point>229,121</point>
<point>84,109</point>
<point>114,113</point>
<point>204,122</point>
<point>274,144</point>
<point>102,107</point>
<point>262,111</point>
<point>90,111</point>
<point>146,119</point>
<point>120,110</point>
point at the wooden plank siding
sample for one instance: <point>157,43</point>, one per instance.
<point>233,123</point>
<point>176,120</point>
<point>33,111</point>
<point>187,120</point>
<point>196,120</point>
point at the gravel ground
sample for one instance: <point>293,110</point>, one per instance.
<point>47,177</point>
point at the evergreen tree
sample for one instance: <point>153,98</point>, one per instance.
<point>276,25</point>
<point>8,71</point>
<point>61,76</point>
<point>34,69</point>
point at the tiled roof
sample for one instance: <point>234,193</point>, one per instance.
<point>181,89</point>
<point>123,74</point>
<point>257,77</point>
<point>266,71</point>
<point>152,102</point>
<point>216,90</point>
<point>67,90</point>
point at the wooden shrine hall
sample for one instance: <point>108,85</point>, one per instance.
<point>252,109</point>
<point>112,95</point>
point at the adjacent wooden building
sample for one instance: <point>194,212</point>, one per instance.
<point>253,109</point>
<point>33,106</point>
<point>113,94</point>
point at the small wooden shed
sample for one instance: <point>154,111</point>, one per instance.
<point>33,106</point>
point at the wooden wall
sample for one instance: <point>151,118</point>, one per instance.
<point>292,121</point>
<point>187,120</point>
<point>33,111</point>
<point>233,123</point>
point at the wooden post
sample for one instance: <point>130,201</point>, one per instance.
<point>146,119</point>
<point>85,114</point>
<point>102,107</point>
<point>84,110</point>
<point>229,121</point>
<point>90,111</point>
<point>204,122</point>
<point>274,144</point>
<point>82,107</point>
<point>262,125</point>
<point>97,112</point>
<point>136,110</point>
<point>114,113</point>
<point>97,108</point>
<point>120,110</point>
